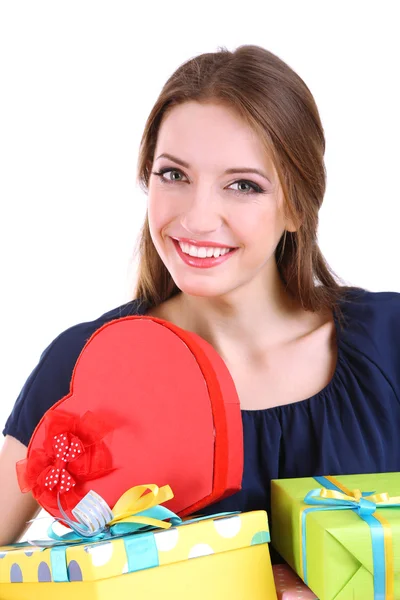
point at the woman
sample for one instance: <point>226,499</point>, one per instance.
<point>232,161</point>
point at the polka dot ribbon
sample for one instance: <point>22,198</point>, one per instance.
<point>70,452</point>
<point>66,448</point>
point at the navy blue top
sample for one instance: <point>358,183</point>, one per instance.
<point>351,426</point>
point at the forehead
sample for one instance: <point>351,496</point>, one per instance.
<point>211,135</point>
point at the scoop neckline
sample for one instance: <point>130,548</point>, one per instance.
<point>326,389</point>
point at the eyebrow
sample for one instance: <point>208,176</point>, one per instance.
<point>227,172</point>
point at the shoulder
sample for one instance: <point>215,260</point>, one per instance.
<point>50,379</point>
<point>363,309</point>
<point>371,330</point>
<point>72,340</point>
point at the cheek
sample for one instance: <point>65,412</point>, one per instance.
<point>158,210</point>
<point>259,223</point>
<point>154,218</point>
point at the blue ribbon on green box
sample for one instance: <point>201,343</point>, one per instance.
<point>335,496</point>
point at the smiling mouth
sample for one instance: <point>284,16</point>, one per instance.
<point>218,256</point>
<point>202,251</point>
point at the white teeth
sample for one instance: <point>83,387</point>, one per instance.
<point>202,251</point>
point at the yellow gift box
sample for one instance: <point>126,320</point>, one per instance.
<point>215,557</point>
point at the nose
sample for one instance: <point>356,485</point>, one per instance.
<point>201,214</point>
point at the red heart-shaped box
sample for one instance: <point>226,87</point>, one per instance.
<point>148,403</point>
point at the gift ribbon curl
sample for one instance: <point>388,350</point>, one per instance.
<point>138,511</point>
<point>137,508</point>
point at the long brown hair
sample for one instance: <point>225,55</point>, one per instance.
<point>278,105</point>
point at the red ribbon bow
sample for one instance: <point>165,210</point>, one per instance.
<point>73,452</point>
<point>66,448</point>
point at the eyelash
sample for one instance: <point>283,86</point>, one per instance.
<point>254,186</point>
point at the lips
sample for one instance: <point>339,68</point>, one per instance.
<point>202,244</point>
<point>202,263</point>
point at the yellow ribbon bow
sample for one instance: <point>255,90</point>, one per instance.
<point>135,500</point>
<point>356,495</point>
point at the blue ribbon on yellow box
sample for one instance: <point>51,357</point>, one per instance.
<point>138,511</point>
<point>335,496</point>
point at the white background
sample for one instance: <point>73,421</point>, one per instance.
<point>78,80</point>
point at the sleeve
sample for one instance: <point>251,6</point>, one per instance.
<point>48,383</point>
<point>387,332</point>
<point>375,332</point>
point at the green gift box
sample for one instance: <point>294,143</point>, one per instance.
<point>344,540</point>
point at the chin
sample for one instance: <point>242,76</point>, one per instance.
<point>206,290</point>
<point>211,289</point>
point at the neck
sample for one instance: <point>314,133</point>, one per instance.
<point>244,323</point>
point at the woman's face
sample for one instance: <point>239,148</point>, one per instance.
<point>213,188</point>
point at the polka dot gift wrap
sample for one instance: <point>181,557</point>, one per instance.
<point>289,586</point>
<point>217,557</point>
